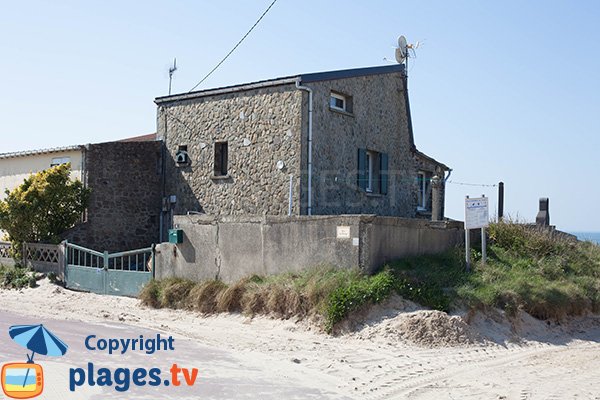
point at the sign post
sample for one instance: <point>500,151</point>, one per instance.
<point>476,217</point>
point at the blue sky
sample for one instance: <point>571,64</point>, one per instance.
<point>499,90</point>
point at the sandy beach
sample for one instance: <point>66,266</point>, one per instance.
<point>396,351</point>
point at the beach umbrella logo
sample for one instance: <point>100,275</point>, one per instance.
<point>26,380</point>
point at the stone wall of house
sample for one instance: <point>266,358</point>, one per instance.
<point>125,202</point>
<point>261,126</point>
<point>378,122</point>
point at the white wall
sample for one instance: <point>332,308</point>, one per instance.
<point>14,170</point>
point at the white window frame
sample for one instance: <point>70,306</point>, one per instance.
<point>370,157</point>
<point>423,190</point>
<point>59,161</point>
<point>339,97</point>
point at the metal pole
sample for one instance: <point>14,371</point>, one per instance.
<point>500,201</point>
<point>153,260</point>
<point>291,193</point>
<point>468,249</point>
<point>467,244</point>
<point>483,246</point>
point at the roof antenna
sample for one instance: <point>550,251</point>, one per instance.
<point>404,51</point>
<point>171,71</point>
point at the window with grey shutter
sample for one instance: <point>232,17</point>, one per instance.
<point>362,176</point>
<point>383,173</point>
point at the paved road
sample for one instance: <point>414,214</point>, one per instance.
<point>222,374</point>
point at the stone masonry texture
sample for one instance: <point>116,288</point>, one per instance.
<point>262,127</point>
<point>379,123</point>
<point>125,201</point>
<point>269,125</point>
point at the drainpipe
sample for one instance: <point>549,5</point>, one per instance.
<point>310,113</point>
<point>448,176</point>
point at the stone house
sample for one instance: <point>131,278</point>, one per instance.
<point>330,143</point>
<point>125,178</point>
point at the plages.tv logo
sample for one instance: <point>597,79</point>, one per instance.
<point>25,380</point>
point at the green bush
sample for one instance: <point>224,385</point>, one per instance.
<point>16,278</point>
<point>366,290</point>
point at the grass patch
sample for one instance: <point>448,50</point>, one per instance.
<point>16,278</point>
<point>545,274</point>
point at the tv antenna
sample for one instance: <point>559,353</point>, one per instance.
<point>404,51</point>
<point>171,72</point>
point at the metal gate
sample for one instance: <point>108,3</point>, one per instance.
<point>122,274</point>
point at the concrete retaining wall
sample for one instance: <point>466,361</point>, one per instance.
<point>231,248</point>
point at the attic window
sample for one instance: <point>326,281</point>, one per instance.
<point>340,102</point>
<point>59,161</point>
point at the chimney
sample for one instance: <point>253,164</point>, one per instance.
<point>543,216</point>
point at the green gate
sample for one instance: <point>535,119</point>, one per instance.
<point>122,274</point>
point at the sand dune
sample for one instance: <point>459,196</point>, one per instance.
<point>395,351</point>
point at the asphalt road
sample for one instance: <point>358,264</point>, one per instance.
<point>222,374</point>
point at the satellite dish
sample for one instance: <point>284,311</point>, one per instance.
<point>401,50</point>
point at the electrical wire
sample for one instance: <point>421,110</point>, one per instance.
<point>471,184</point>
<point>234,47</point>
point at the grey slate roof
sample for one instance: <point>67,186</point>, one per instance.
<point>304,78</point>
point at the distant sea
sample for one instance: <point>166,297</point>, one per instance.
<point>593,236</point>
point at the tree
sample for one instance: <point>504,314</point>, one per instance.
<point>45,205</point>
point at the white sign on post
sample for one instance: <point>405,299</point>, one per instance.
<point>476,213</point>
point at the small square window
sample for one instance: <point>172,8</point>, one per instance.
<point>220,159</point>
<point>337,101</point>
<point>340,102</point>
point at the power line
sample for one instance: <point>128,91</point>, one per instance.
<point>471,184</point>
<point>234,47</point>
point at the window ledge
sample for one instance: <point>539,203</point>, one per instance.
<point>371,194</point>
<point>343,112</point>
<point>220,177</point>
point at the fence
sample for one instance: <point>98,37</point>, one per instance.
<point>44,257</point>
<point>5,254</point>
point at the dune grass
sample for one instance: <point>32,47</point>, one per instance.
<point>547,275</point>
<point>327,293</point>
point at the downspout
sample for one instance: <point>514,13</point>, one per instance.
<point>448,176</point>
<point>163,155</point>
<point>310,114</point>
